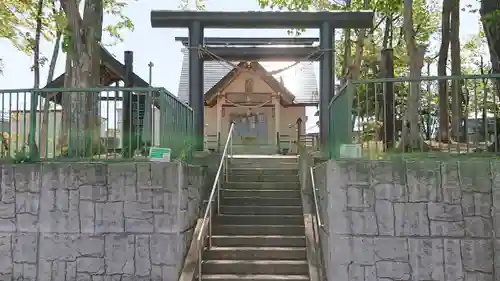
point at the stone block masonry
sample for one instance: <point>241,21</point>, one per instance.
<point>95,221</point>
<point>410,220</point>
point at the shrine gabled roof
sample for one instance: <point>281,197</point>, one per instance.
<point>287,96</point>
<point>300,79</point>
<point>112,70</point>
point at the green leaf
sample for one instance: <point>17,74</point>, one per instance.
<point>18,21</point>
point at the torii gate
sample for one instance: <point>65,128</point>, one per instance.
<point>197,21</point>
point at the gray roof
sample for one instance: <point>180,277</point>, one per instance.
<point>300,79</point>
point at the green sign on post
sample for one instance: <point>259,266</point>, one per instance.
<point>352,151</point>
<point>159,154</point>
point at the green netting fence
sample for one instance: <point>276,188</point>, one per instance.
<point>93,123</point>
<point>455,115</point>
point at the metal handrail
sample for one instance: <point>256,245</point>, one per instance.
<point>315,197</point>
<point>319,226</point>
<point>214,194</point>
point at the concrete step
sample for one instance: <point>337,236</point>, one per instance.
<point>262,185</point>
<point>265,158</point>
<point>261,201</point>
<point>256,253</point>
<point>264,171</point>
<point>248,229</point>
<point>263,193</point>
<point>258,161</point>
<point>264,165</point>
<point>252,149</point>
<point>261,210</point>
<point>253,277</point>
<point>263,178</point>
<point>258,241</point>
<point>269,220</point>
<point>291,267</point>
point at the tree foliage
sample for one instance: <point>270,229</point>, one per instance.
<point>14,20</point>
<point>23,22</point>
<point>18,23</point>
<point>426,23</point>
<point>389,32</point>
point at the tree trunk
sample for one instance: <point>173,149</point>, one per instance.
<point>347,52</point>
<point>55,56</point>
<point>457,96</point>
<point>387,40</point>
<point>444,130</point>
<point>387,70</point>
<point>49,96</point>
<point>82,109</point>
<point>490,18</point>
<point>347,46</point>
<point>428,121</point>
<point>36,46</point>
<point>355,69</point>
<point>36,70</point>
<point>411,138</point>
<point>484,109</point>
<point>62,144</point>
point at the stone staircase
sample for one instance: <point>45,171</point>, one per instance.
<point>262,149</point>
<point>259,233</point>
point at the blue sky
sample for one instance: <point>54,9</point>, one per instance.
<point>148,44</point>
<point>158,45</point>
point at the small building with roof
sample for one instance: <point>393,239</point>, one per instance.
<point>112,73</point>
<point>263,98</point>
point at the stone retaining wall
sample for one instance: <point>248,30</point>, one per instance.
<point>412,220</point>
<point>96,222</point>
